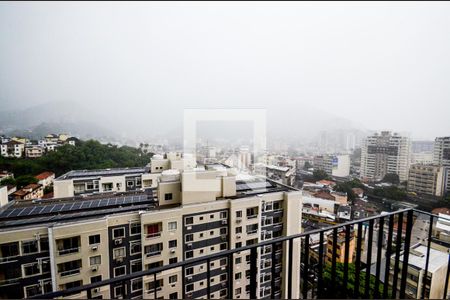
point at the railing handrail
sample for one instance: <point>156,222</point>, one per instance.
<point>221,254</point>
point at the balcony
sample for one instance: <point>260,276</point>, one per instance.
<point>358,271</point>
<point>68,251</point>
<point>70,272</point>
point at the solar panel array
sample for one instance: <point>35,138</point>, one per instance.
<point>88,173</point>
<point>54,208</point>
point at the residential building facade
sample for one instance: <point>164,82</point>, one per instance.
<point>426,179</point>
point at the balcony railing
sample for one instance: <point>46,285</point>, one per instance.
<point>68,251</point>
<point>70,272</point>
<point>372,269</point>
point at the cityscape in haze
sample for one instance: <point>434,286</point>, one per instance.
<point>224,150</point>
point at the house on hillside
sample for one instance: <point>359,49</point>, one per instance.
<point>45,178</point>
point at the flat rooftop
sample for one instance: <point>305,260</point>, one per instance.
<point>78,174</point>
<point>23,213</point>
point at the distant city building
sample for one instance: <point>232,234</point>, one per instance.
<point>284,175</point>
<point>442,158</point>
<point>29,192</point>
<point>385,153</point>
<point>45,178</point>
<point>334,165</point>
<point>426,179</point>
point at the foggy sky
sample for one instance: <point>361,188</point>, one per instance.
<point>380,65</point>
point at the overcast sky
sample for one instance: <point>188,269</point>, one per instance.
<point>381,65</point>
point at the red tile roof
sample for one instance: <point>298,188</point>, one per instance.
<point>441,210</point>
<point>44,175</point>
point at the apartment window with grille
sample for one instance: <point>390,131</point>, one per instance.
<point>173,244</point>
<point>239,229</point>
<point>31,269</point>
<point>252,212</point>
<point>136,285</point>
<point>120,271</point>
<point>119,253</point>
<point>155,249</point>
<point>172,225</point>
<point>95,279</point>
<point>223,215</point>
<point>135,247</point>
<point>168,196</point>
<point>32,290</point>
<point>189,220</point>
<point>29,247</point>
<point>239,214</point>
<point>119,232</point>
<point>189,271</point>
<point>238,276</point>
<point>173,260</point>
<point>173,279</point>
<point>94,239</point>
<point>251,229</point>
<point>95,260</point>
<point>135,228</point>
<point>136,266</point>
<point>189,237</point>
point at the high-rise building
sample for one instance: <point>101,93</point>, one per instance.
<point>426,179</point>
<point>335,165</point>
<point>58,244</point>
<point>385,153</point>
<point>441,157</point>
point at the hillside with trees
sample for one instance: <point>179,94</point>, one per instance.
<point>89,154</point>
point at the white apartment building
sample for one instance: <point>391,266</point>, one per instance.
<point>441,157</point>
<point>385,153</point>
<point>334,165</point>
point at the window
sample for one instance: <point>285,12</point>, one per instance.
<point>189,287</point>
<point>223,277</point>
<point>158,284</point>
<point>173,244</point>
<point>168,196</point>
<point>130,183</point>
<point>173,260</point>
<point>223,214</point>
<point>223,262</point>
<point>136,284</point>
<point>155,265</point>
<point>155,249</point>
<point>238,245</point>
<point>223,293</point>
<point>136,266</point>
<point>200,235</point>
<point>31,269</point>
<point>94,239</point>
<point>173,296</point>
<point>120,271</point>
<point>251,229</point>
<point>172,225</point>
<point>251,242</point>
<point>44,244</point>
<point>135,247</point>
<point>238,291</point>
<point>200,218</point>
<point>223,246</point>
<point>117,291</point>
<point>119,253</point>
<point>238,260</point>
<point>238,229</point>
<point>154,230</point>
<point>29,247</point>
<point>239,214</point>
<point>211,232</point>
<point>211,216</point>
<point>223,230</point>
<point>269,206</point>
<point>211,249</point>
<point>138,181</point>
<point>9,249</point>
<point>97,278</point>
<point>238,276</point>
<point>189,237</point>
<point>119,232</point>
<point>189,271</point>
<point>252,212</point>
<point>73,284</point>
<point>189,254</point>
<point>201,251</point>
<point>189,220</point>
<point>95,260</point>
<point>32,290</point>
<point>135,228</point>
<point>276,205</point>
<point>173,279</point>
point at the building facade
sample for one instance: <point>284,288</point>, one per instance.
<point>385,153</point>
<point>63,243</point>
<point>334,165</point>
<point>426,179</point>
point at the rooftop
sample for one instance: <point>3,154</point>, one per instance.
<point>44,175</point>
<point>76,174</point>
<point>417,258</point>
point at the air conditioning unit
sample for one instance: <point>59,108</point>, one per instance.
<point>96,290</point>
<point>119,259</point>
<point>94,268</point>
<point>118,241</point>
<point>173,285</point>
<point>94,248</point>
<point>172,250</point>
<point>222,268</point>
<point>223,237</point>
<point>189,245</point>
<point>238,220</point>
<point>189,295</point>
<point>224,222</point>
<point>189,228</point>
<point>189,278</point>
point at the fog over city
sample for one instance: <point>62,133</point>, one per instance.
<point>131,68</point>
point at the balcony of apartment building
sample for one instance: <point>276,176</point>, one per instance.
<point>67,246</point>
<point>347,260</point>
<point>153,231</point>
<point>69,268</point>
<point>9,252</point>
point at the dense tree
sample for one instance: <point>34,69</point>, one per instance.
<point>86,155</point>
<point>347,187</point>
<point>391,178</point>
<point>24,180</point>
<point>390,192</point>
<point>320,174</point>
